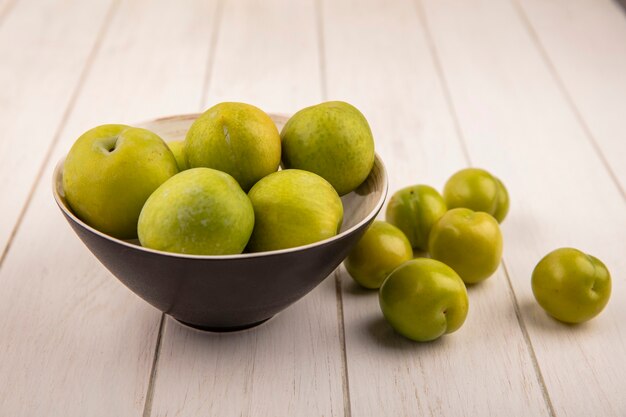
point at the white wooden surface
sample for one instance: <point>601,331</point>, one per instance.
<point>294,366</point>
<point>530,89</point>
<point>73,341</point>
<point>583,44</point>
<point>42,64</point>
<point>420,146</point>
<point>516,120</point>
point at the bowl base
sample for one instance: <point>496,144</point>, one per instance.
<point>222,329</point>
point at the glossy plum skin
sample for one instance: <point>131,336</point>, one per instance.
<point>200,211</point>
<point>469,242</point>
<point>415,210</point>
<point>424,299</point>
<point>293,208</point>
<point>571,286</point>
<point>178,149</point>
<point>382,249</point>
<point>110,172</point>
<point>236,138</point>
<point>478,190</point>
<point>331,139</point>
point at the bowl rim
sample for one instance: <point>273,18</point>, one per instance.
<point>57,177</point>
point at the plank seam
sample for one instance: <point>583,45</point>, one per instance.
<point>345,384</point>
<point>321,48</point>
<point>147,408</point>
<point>450,104</point>
<point>217,19</point>
<point>347,407</point>
<point>147,411</point>
<point>443,82</point>
<point>529,344</point>
<point>64,119</point>
<point>566,94</point>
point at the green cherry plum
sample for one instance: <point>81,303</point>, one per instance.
<point>414,210</point>
<point>331,139</point>
<point>571,286</point>
<point>478,190</point>
<point>200,211</point>
<point>293,208</point>
<point>110,172</point>
<point>178,149</point>
<point>236,138</point>
<point>469,242</point>
<point>382,248</point>
<point>424,299</point>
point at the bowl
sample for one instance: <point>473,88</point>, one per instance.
<point>233,292</point>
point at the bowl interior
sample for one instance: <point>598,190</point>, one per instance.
<point>359,205</point>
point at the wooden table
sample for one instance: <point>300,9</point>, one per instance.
<point>533,90</point>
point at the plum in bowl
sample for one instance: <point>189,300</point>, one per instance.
<point>230,292</point>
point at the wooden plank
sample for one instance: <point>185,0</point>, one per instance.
<point>584,43</point>
<point>290,366</point>
<point>40,70</point>
<point>262,58</point>
<point>517,123</point>
<point>383,66</point>
<point>74,341</point>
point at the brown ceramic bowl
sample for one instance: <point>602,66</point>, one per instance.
<point>224,293</point>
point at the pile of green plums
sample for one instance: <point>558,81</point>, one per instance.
<point>220,191</point>
<point>425,298</point>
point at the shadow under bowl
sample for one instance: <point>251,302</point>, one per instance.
<point>233,292</point>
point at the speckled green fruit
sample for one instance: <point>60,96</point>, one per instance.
<point>382,249</point>
<point>415,210</point>
<point>235,138</point>
<point>109,173</point>
<point>178,149</point>
<point>478,190</point>
<point>200,211</point>
<point>424,299</point>
<point>333,140</point>
<point>571,286</point>
<point>469,242</point>
<point>293,208</point>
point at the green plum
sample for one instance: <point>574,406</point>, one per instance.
<point>178,149</point>
<point>382,248</point>
<point>415,210</point>
<point>200,211</point>
<point>478,190</point>
<point>571,286</point>
<point>333,140</point>
<point>469,242</point>
<point>235,138</point>
<point>110,172</point>
<point>424,299</point>
<point>502,208</point>
<point>293,208</point>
